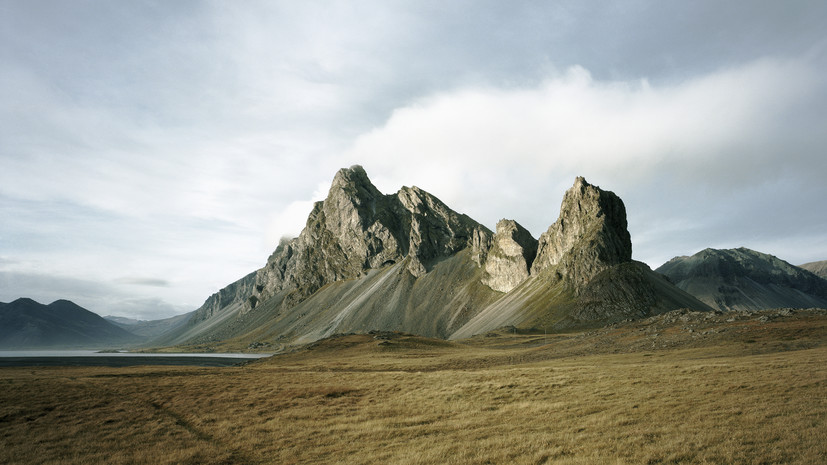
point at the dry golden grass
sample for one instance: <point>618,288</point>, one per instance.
<point>413,401</point>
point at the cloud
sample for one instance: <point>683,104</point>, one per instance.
<point>290,221</point>
<point>178,259</point>
<point>138,281</point>
<point>697,148</point>
<point>573,122</point>
<point>145,308</point>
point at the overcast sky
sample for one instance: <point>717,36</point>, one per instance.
<point>152,152</point>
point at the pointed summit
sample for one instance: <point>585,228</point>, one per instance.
<point>509,260</point>
<point>589,236</point>
<point>407,262</point>
<point>351,202</point>
<point>353,180</point>
<point>433,230</point>
<point>356,229</point>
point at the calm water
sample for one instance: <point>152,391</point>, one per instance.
<point>93,358</point>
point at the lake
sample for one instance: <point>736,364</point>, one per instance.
<point>21,358</point>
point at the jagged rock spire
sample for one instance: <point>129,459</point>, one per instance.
<point>406,261</point>
<point>510,257</point>
<point>357,228</point>
<point>590,235</point>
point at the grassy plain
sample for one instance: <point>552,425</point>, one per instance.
<point>748,392</point>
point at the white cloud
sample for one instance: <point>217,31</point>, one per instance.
<point>290,221</point>
<point>573,122</point>
<point>483,148</point>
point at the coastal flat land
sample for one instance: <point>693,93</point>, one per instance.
<point>118,360</point>
<point>679,389</point>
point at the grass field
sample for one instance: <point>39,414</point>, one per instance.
<point>756,396</point>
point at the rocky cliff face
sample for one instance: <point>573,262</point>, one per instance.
<point>407,262</point>
<point>510,256</point>
<point>357,228</point>
<point>235,292</point>
<point>589,236</point>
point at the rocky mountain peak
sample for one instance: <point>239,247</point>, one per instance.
<point>353,182</point>
<point>405,261</point>
<point>434,230</point>
<point>415,200</point>
<point>357,228</point>
<point>351,201</point>
<point>510,257</point>
<point>589,236</point>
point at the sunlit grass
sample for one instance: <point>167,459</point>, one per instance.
<point>428,404</point>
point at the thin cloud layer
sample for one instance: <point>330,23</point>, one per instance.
<point>140,281</point>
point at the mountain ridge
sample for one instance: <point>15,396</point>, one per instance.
<point>818,268</point>
<point>357,228</point>
<point>744,279</point>
<point>407,262</point>
<point>149,328</point>
<point>25,323</point>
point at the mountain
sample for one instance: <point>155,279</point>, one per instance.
<point>743,279</point>
<point>368,260</point>
<point>149,328</point>
<point>26,324</point>
<point>583,274</point>
<point>406,262</point>
<point>817,268</point>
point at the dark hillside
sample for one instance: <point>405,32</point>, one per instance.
<point>743,279</point>
<point>26,324</point>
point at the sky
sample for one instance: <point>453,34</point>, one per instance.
<point>152,152</point>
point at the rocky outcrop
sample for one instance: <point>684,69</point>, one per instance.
<point>582,275</point>
<point>235,292</point>
<point>589,236</point>
<point>357,228</point>
<point>510,256</point>
<point>406,262</point>
<point>433,230</point>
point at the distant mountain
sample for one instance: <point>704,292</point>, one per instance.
<point>743,279</point>
<point>817,268</point>
<point>150,328</point>
<point>26,324</point>
<point>406,261</point>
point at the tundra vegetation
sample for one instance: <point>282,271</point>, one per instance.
<point>682,387</point>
